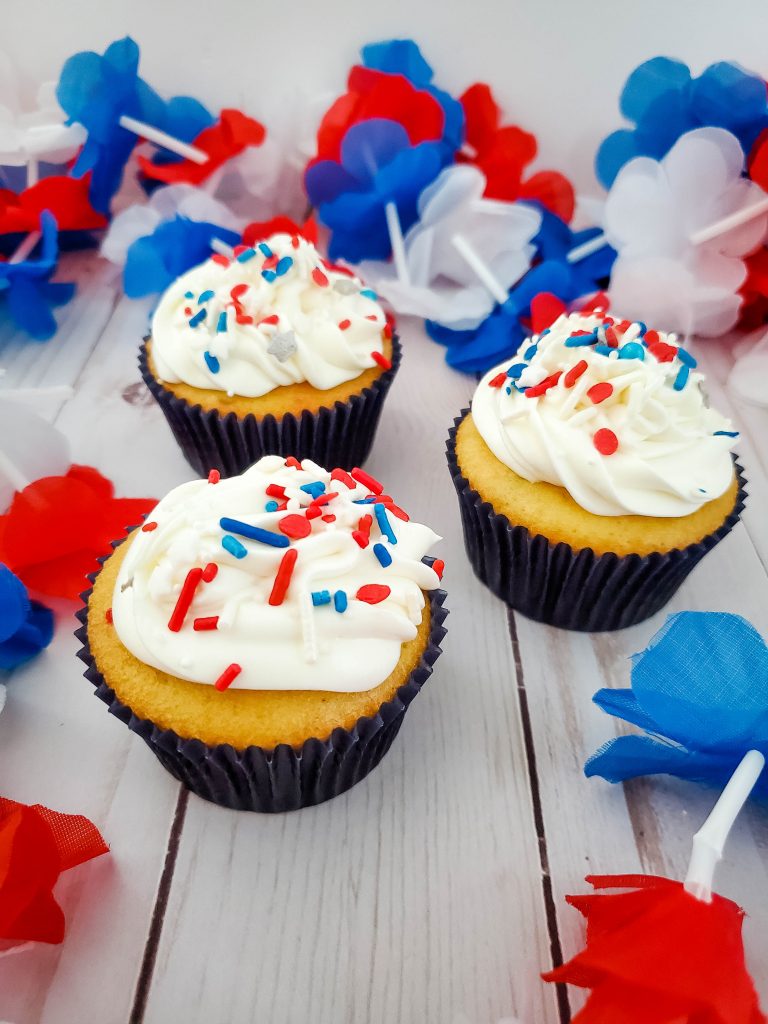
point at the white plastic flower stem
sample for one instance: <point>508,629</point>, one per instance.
<point>469,254</point>
<point>12,473</point>
<point>733,220</point>
<point>586,248</point>
<point>33,171</point>
<point>161,138</point>
<point>709,841</point>
<point>25,247</point>
<point>222,248</point>
<point>398,243</point>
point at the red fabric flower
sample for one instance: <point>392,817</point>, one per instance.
<point>231,134</point>
<point>374,94</point>
<point>258,231</point>
<point>502,153</point>
<point>36,845</point>
<point>754,291</point>
<point>66,198</point>
<point>656,954</point>
<point>58,527</point>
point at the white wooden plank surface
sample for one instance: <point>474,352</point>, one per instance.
<point>423,895</point>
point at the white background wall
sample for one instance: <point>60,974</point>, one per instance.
<point>556,66</point>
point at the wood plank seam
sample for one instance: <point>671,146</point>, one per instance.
<point>144,981</point>
<point>555,944</point>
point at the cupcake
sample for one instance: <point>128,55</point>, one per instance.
<point>264,634</point>
<point>592,474</point>
<point>272,352</point>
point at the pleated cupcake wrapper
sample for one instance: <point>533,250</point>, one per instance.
<point>341,435</point>
<point>283,779</point>
<point>556,584</point>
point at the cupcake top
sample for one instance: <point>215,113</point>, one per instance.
<point>611,411</point>
<point>275,314</point>
<point>288,577</point>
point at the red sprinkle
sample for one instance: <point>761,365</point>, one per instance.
<point>344,325</point>
<point>574,373</point>
<point>319,277</point>
<point>108,615</point>
<point>373,593</point>
<point>387,332</point>
<point>240,249</point>
<point>366,480</point>
<point>207,622</point>
<point>274,319</point>
<point>293,462</point>
<point>295,527</point>
<point>362,534</point>
<point>149,527</point>
<point>329,519</point>
<point>611,337</point>
<point>346,479</point>
<point>283,577</point>
<point>394,509</point>
<point>276,491</point>
<point>269,263</point>
<point>599,392</point>
<point>663,352</point>
<point>187,311</point>
<point>241,318</point>
<point>227,677</point>
<point>324,499</point>
<point>238,290</point>
<point>221,259</point>
<point>210,572</point>
<point>543,386</point>
<point>373,317</point>
<point>214,476</point>
<point>605,441</point>
<point>382,360</point>
<point>439,566</point>
<point>651,337</point>
<point>497,381</point>
<point>295,241</point>
<point>184,600</point>
<point>313,512</point>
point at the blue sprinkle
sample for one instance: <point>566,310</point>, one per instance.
<point>604,350</point>
<point>544,333</point>
<point>368,293</point>
<point>686,358</point>
<point>581,340</point>
<point>509,390</point>
<point>340,601</point>
<point>269,276</point>
<point>264,249</point>
<point>275,540</point>
<point>384,524</point>
<point>320,597</point>
<point>233,546</point>
<point>197,318</point>
<point>211,362</point>
<point>271,506</point>
<point>205,296</point>
<point>245,255</point>
<point>642,327</point>
<point>189,295</point>
<point>632,350</point>
<point>284,265</point>
<point>382,554</point>
<point>316,488</point>
<point>682,378</point>
<point>365,501</point>
<point>516,369</point>
<point>726,433</point>
<point>702,490</point>
<point>530,352</point>
<point>221,326</point>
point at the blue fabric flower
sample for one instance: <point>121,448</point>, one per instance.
<point>664,101</point>
<point>26,627</point>
<point>700,694</point>
<point>175,246</point>
<point>378,166</point>
<point>96,91</point>
<point>403,57</point>
<point>29,294</point>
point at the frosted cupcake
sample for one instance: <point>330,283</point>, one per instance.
<point>271,352</point>
<point>265,634</point>
<point>592,474</point>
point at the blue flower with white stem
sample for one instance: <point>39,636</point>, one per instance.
<point>26,626</point>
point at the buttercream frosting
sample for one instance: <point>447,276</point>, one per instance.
<point>611,411</point>
<point>275,314</point>
<point>299,578</point>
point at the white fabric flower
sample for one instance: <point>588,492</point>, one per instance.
<point>442,285</point>
<point>30,447</point>
<point>749,375</point>
<point>36,134</point>
<point>653,210</point>
<point>164,204</point>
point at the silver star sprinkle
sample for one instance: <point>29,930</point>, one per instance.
<point>283,345</point>
<point>345,286</point>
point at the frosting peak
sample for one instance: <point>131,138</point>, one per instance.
<point>285,578</point>
<point>275,314</point>
<point>611,411</point>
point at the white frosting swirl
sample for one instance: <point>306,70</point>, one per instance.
<point>329,642</point>
<point>289,319</point>
<point>672,451</point>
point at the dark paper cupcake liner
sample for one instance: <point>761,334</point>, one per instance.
<point>283,779</point>
<point>341,435</point>
<point>556,584</point>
